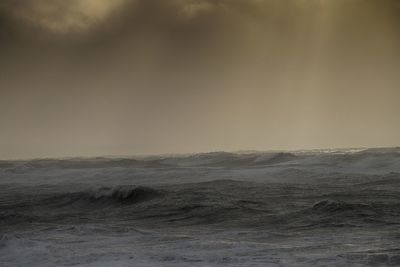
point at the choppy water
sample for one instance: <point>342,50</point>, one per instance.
<point>257,209</point>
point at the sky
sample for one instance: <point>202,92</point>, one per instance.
<point>128,77</point>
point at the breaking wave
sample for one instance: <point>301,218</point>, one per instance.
<point>106,195</point>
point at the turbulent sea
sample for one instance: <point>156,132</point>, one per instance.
<point>303,208</point>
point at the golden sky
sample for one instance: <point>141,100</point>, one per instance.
<point>120,77</point>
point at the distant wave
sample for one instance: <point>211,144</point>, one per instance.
<point>382,160</point>
<point>224,159</point>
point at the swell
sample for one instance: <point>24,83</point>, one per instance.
<point>222,202</point>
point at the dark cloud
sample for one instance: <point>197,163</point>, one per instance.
<point>208,25</point>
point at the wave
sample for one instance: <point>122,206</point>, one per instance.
<point>213,159</point>
<point>223,202</point>
<point>106,195</point>
<point>367,161</point>
<point>124,193</point>
<point>190,204</point>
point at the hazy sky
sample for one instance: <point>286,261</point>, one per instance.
<point>103,77</point>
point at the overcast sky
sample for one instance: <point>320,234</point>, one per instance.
<point>121,77</point>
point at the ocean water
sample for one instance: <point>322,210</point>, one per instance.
<point>304,208</point>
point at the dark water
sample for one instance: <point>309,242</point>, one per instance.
<point>306,209</point>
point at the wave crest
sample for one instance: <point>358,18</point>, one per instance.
<point>105,196</point>
<point>124,193</point>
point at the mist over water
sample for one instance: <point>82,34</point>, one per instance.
<point>307,208</point>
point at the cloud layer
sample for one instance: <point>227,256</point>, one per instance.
<point>150,76</point>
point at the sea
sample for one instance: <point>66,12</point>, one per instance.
<point>294,208</point>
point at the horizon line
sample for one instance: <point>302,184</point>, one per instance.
<point>149,155</point>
